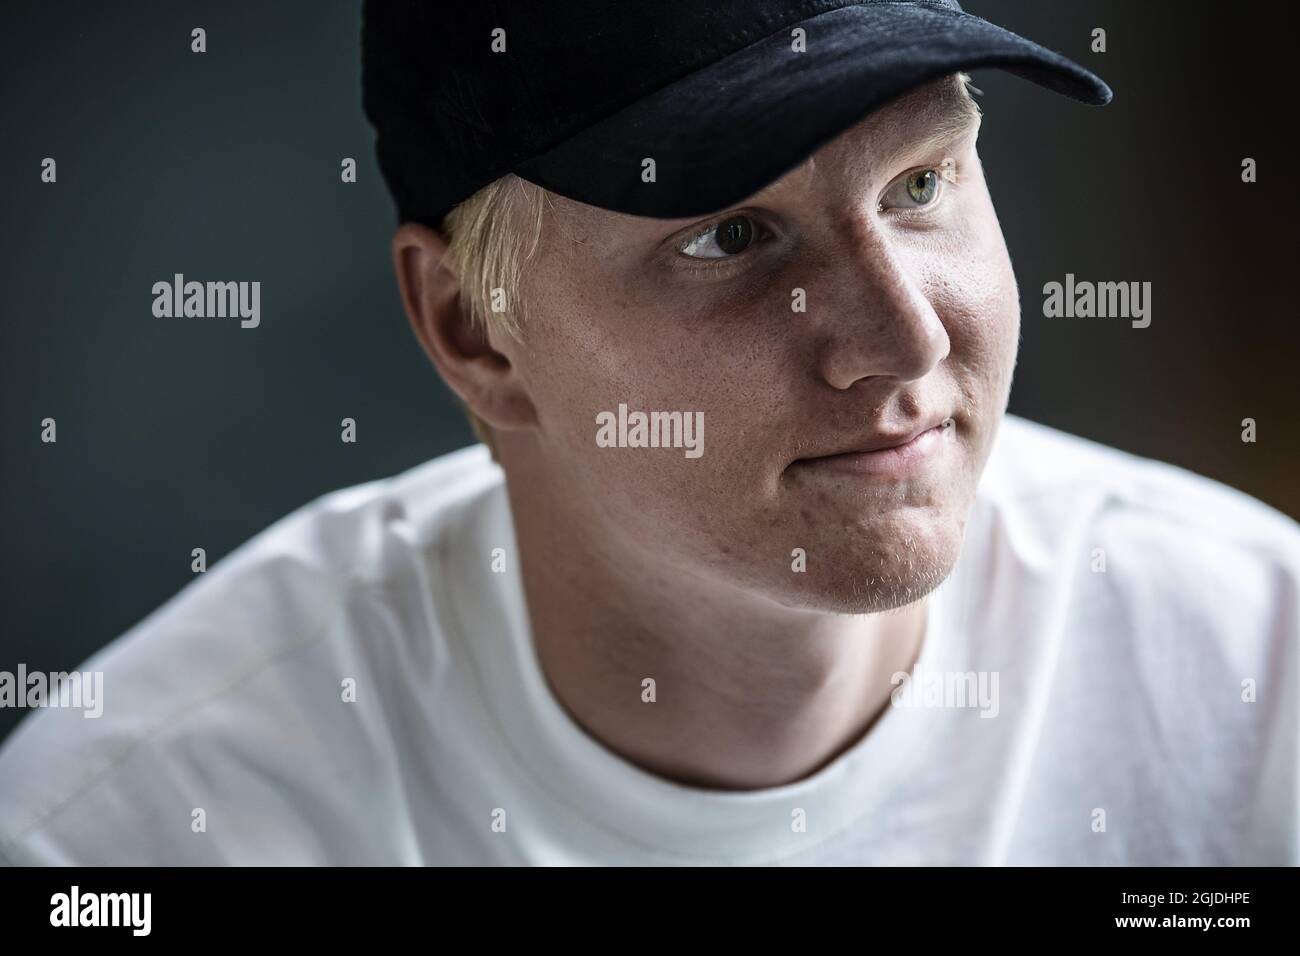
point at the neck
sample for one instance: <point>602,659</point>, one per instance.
<point>746,693</point>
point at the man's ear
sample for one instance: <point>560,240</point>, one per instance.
<point>462,352</point>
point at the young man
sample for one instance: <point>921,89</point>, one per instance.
<point>756,571</point>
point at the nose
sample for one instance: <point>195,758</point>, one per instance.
<point>885,325</point>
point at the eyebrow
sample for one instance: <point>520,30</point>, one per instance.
<point>952,118</point>
<point>954,121</point>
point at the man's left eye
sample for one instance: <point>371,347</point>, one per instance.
<point>727,238</point>
<point>920,187</point>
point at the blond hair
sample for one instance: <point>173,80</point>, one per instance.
<point>486,251</point>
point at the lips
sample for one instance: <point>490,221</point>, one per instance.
<point>881,442</point>
<point>883,454</point>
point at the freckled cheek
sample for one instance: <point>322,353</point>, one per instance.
<point>730,376</point>
<point>591,363</point>
<point>976,299</point>
<point>972,288</point>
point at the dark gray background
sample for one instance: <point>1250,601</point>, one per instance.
<point>179,434</point>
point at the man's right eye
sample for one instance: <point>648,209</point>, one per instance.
<point>729,237</point>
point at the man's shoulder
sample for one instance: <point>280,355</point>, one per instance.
<point>1138,546</point>
<point>1162,607</point>
<point>335,534</point>
<point>257,645</point>
<point>1071,482</point>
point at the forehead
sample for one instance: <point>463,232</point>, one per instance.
<point>939,110</point>
<point>937,103</point>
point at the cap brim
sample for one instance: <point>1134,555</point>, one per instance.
<point>726,131</point>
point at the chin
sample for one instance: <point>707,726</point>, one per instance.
<point>869,570</point>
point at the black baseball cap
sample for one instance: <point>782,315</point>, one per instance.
<point>725,97</point>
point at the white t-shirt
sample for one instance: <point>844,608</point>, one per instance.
<point>1141,623</point>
